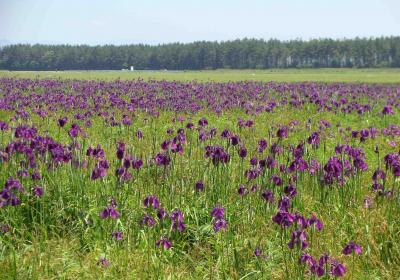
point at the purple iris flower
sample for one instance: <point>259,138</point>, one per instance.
<point>387,110</point>
<point>117,235</point>
<point>62,121</point>
<point>298,238</point>
<point>283,218</point>
<point>38,191</point>
<point>218,212</point>
<point>253,161</point>
<point>4,228</point>
<point>262,145</point>
<point>290,191</point>
<point>276,180</point>
<point>242,190</point>
<point>151,201</point>
<point>282,132</point>
<point>219,224</point>
<point>337,269</point>
<point>35,175</point>
<point>242,152</point>
<point>235,140</point>
<point>162,159</point>
<point>120,150</point>
<point>3,126</point>
<point>147,220</point>
<point>161,213</point>
<point>352,247</point>
<point>199,186</point>
<point>314,139</point>
<point>177,220</point>
<point>102,261</point>
<point>164,243</point>
<point>315,221</point>
<point>284,204</point>
<point>268,196</point>
<point>203,122</point>
<point>137,163</point>
<point>110,211</point>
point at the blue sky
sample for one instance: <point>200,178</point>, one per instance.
<point>157,21</point>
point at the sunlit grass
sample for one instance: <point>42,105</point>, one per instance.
<point>386,75</point>
<point>61,235</point>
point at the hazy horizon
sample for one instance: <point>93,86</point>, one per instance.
<point>159,22</point>
<point>10,43</point>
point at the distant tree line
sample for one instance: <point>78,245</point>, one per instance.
<point>237,54</point>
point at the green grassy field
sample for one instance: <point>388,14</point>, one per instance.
<point>285,75</point>
<point>66,232</point>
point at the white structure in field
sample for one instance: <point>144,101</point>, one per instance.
<point>132,68</point>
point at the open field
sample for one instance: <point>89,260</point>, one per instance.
<point>287,75</point>
<point>135,179</point>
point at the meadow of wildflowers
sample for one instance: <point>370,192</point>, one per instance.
<point>165,179</point>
